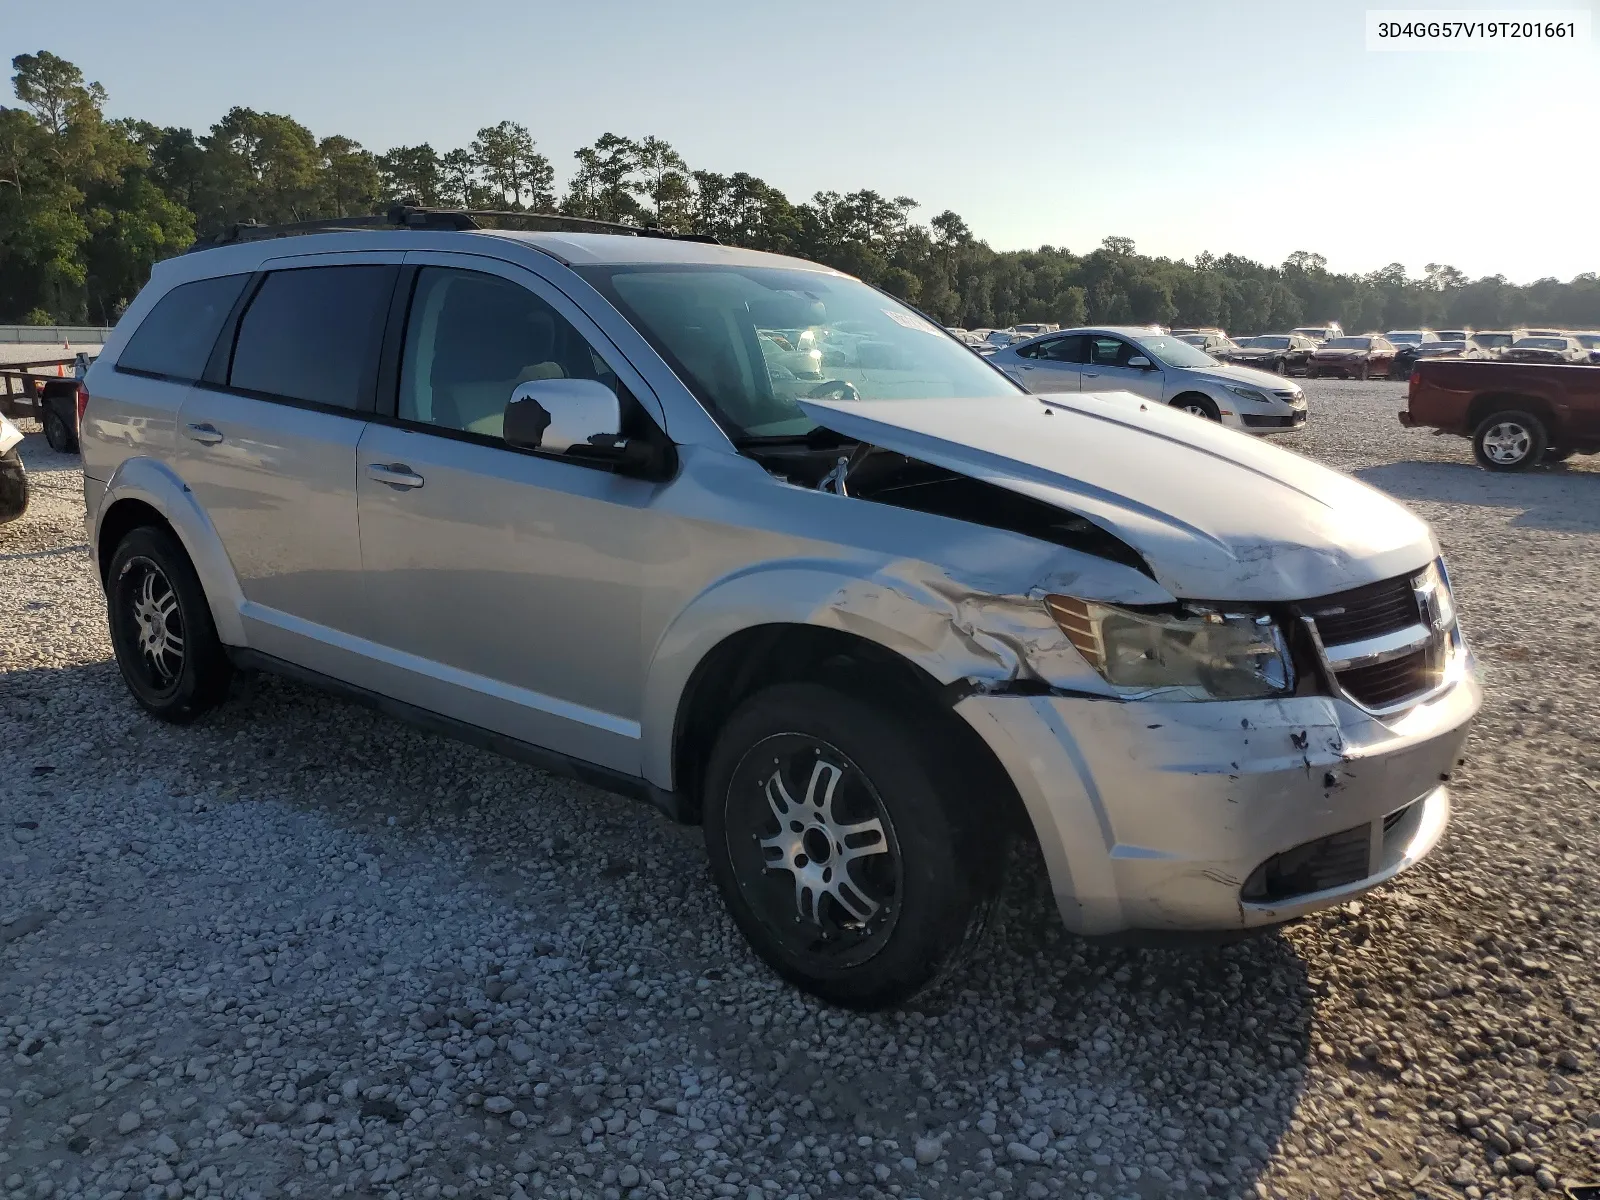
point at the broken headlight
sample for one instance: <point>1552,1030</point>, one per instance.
<point>1201,654</point>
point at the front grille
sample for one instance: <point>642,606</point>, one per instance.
<point>1388,683</point>
<point>1330,862</point>
<point>1254,421</point>
<point>1365,612</point>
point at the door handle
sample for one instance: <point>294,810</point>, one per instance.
<point>205,434</point>
<point>1092,374</point>
<point>394,474</point>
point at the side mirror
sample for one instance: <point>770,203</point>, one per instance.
<point>558,415</point>
<point>1142,363</point>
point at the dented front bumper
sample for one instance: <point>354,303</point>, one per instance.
<point>1159,816</point>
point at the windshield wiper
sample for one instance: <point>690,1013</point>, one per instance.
<point>819,438</point>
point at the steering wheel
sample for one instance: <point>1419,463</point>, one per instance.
<point>837,389</point>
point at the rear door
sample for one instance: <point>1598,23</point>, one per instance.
<point>267,444</point>
<point>1106,368</point>
<point>1052,365</point>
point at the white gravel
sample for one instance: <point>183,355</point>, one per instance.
<point>299,950</point>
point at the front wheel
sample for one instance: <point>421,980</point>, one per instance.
<point>1509,441</point>
<point>1198,406</point>
<point>1282,366</point>
<point>845,846</point>
<point>1365,373</point>
<point>1311,372</point>
<point>161,629</point>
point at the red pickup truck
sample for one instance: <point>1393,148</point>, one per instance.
<point>1517,414</point>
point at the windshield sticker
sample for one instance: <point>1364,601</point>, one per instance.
<point>909,321</point>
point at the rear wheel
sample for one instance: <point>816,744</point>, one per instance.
<point>1509,441</point>
<point>846,845</point>
<point>1198,406</point>
<point>161,629</point>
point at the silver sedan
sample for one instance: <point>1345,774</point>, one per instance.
<point>1158,367</point>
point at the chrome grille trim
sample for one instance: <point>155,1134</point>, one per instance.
<point>1427,635</point>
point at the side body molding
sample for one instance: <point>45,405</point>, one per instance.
<point>156,484</point>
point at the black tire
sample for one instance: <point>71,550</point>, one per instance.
<point>58,431</point>
<point>1281,366</point>
<point>930,887</point>
<point>153,598</point>
<point>1197,405</point>
<point>1510,440</point>
<point>13,486</point>
<point>1366,372</point>
<point>1311,372</point>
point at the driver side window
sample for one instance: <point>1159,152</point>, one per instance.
<point>1109,352</point>
<point>471,338</point>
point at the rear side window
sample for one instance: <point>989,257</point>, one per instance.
<point>175,338</point>
<point>313,335</point>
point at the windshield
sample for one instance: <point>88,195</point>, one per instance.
<point>1174,353</point>
<point>1543,343</point>
<point>1492,339</point>
<point>1269,343</point>
<point>1311,331</point>
<point>1351,343</point>
<point>751,341</point>
<point>1406,337</point>
<point>1589,341</point>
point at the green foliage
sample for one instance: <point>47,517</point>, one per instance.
<point>88,204</point>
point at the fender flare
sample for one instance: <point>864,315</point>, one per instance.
<point>881,606</point>
<point>900,606</point>
<point>154,483</point>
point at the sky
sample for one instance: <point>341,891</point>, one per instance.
<point>1251,127</point>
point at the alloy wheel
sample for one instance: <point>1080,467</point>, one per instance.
<point>814,850</point>
<point>158,624</point>
<point>1507,443</point>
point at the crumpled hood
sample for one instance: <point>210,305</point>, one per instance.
<point>1217,515</point>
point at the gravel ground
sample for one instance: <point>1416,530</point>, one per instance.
<point>299,950</point>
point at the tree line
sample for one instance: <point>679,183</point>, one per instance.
<point>88,203</point>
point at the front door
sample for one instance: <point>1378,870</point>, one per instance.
<point>504,588</point>
<point>1106,368</point>
<point>268,448</point>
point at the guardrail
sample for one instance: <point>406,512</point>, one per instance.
<point>45,334</point>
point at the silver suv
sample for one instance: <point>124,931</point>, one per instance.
<point>746,538</point>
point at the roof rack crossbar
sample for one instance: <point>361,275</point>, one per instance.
<point>412,216</point>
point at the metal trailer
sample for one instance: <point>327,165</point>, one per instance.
<point>38,390</point>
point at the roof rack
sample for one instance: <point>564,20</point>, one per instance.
<point>412,216</point>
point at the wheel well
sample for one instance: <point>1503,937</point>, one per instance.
<point>1534,406</point>
<point>755,658</point>
<point>120,519</point>
<point>1178,400</point>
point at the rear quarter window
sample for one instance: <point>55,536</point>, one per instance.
<point>175,338</point>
